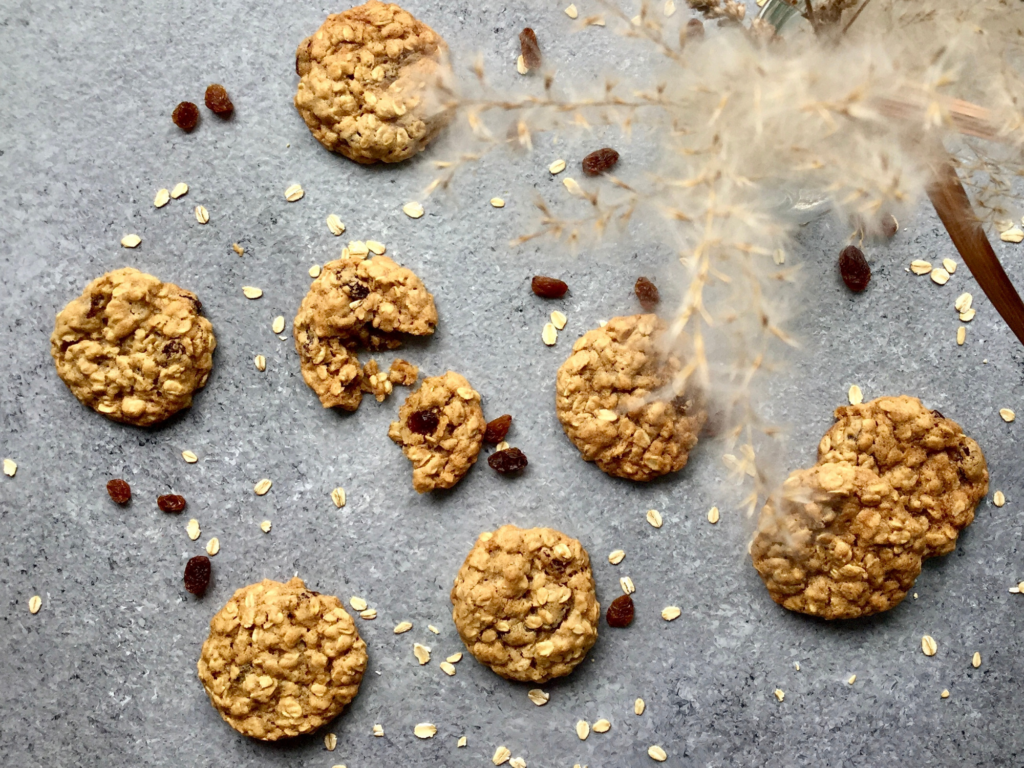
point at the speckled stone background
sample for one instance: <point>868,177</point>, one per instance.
<point>104,675</point>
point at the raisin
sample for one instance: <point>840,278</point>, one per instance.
<point>171,503</point>
<point>530,48</point>
<point>497,429</point>
<point>119,491</point>
<point>854,268</point>
<point>509,460</point>
<point>599,161</point>
<point>197,574</point>
<point>197,305</point>
<point>185,116</point>
<point>424,422</point>
<point>620,612</point>
<point>647,292</point>
<point>357,290</point>
<point>97,303</point>
<point>548,287</point>
<point>174,347</point>
<point>218,101</point>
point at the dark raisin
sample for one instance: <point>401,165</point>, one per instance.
<point>599,161</point>
<point>548,287</point>
<point>171,503</point>
<point>357,290</point>
<point>197,574</point>
<point>218,101</point>
<point>938,415</point>
<point>620,612</point>
<point>185,116</point>
<point>647,292</point>
<point>97,303</point>
<point>509,460</point>
<point>530,48</point>
<point>174,347</point>
<point>424,422</point>
<point>854,268</point>
<point>119,491</point>
<point>197,305</point>
<point>497,429</point>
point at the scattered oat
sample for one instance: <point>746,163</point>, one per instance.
<point>338,497</point>
<point>852,680</point>
<point>945,693</point>
<point>1007,415</point>
<point>202,215</point>
<point>968,315</point>
<point>998,498</point>
<point>639,706</point>
<point>238,249</point>
<point>779,256</point>
<point>278,325</point>
<point>517,762</point>
<point>261,362</point>
<point>501,755</point>
<point>961,335</point>
<point>162,198</point>
<point>976,659</point>
<point>582,729</point>
<point>376,247</point>
<point>1015,590</point>
<point>447,667</point>
<point>571,11</point>
<point>940,276</point>
<point>713,515</point>
<point>251,292</point>
<point>497,202</point>
<point>358,248</point>
<point>314,271</point>
<point>213,546</point>
<point>919,267</point>
<point>538,697</point>
<point>433,629</point>
<point>425,730</point>
<point>627,585</point>
<point>130,241</point>
<point>928,645</point>
<point>671,613</point>
<point>572,185</point>
<point>369,614</point>
<point>796,664</point>
<point>403,626</point>
<point>34,604</point>
<point>294,193</point>
<point>615,557</point>
<point>558,319</point>
<point>949,265</point>
<point>455,658</point>
<point>330,742</point>
<point>10,467</point>
<point>657,753</point>
<point>378,730</point>
<point>502,446</point>
<point>334,224</point>
<point>670,7</point>
<point>421,652</point>
<point>189,457</point>
<point>1013,235</point>
<point>605,415</point>
<point>963,302</point>
<point>413,210</point>
<point>265,526</point>
<point>780,694</point>
<point>179,189</point>
<point>522,69</point>
<point>262,487</point>
<point>357,603</point>
<point>654,518</point>
<point>602,726</point>
<point>192,529</point>
<point>549,335</point>
<point>855,396</point>
<point>556,167</point>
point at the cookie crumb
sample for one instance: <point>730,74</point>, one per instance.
<point>671,613</point>
<point>403,372</point>
<point>261,488</point>
<point>265,526</point>
<point>928,645</point>
<point>780,694</point>
<point>294,193</point>
<point>10,467</point>
<point>35,603</point>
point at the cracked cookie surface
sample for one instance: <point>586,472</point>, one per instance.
<point>356,302</point>
<point>132,347</point>
<point>441,429</point>
<point>838,542</point>
<point>939,471</point>
<point>615,400</point>
<point>372,83</point>
<point>524,603</point>
<point>281,660</point>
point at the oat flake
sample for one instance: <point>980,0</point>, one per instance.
<point>558,319</point>
<point>238,249</point>
<point>852,680</point>
<point>338,497</point>
<point>262,487</point>
<point>582,729</point>
<point>556,167</point>
<point>213,546</point>
<point>425,730</point>
<point>517,762</point>
<point>34,604</point>
<point>627,585</point>
<point>940,276</point>
<point>189,457</point>
<point>278,325</point>
<point>403,626</point>
<point>130,241</point>
<point>334,224</point>
<point>855,396</point>
<point>330,742</point>
<point>945,693</point>
<point>654,518</point>
<point>378,729</point>
<point>920,267</point>
<point>314,271</point>
<point>961,335</point>
<point>657,753</point>
<point>549,335</point>
<point>455,658</point>
<point>616,556</point>
<point>928,645</point>
<point>639,706</point>
<point>572,186</point>
<point>162,198</point>
<point>671,613</point>
<point>357,603</point>
<point>1007,415</point>
<point>522,69</point>
<point>976,659</point>
<point>376,247</point>
<point>251,292</point>
<point>369,614</point>
<point>447,667</point>
<point>261,362</point>
<point>780,694</point>
<point>713,515</point>
<point>179,189</point>
<point>10,467</point>
<point>461,742</point>
<point>413,210</point>
<point>421,652</point>
<point>998,498</point>
<point>501,755</point>
<point>202,215</point>
<point>539,697</point>
<point>497,202</point>
<point>602,726</point>
<point>294,193</point>
<point>605,415</point>
<point>265,526</point>
<point>949,265</point>
<point>192,529</point>
<point>571,12</point>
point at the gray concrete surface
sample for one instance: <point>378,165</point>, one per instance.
<point>104,675</point>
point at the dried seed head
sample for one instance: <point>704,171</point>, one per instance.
<point>251,292</point>
<point>202,215</point>
<point>162,198</point>
<point>671,613</point>
<point>334,224</point>
<point>262,487</point>
<point>294,193</point>
<point>413,210</point>
<point>130,241</point>
<point>616,557</point>
<point>928,645</point>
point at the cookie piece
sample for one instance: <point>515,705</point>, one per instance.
<point>440,428</point>
<point>838,542</point>
<point>133,348</point>
<point>524,603</point>
<point>615,398</point>
<point>376,382</point>
<point>281,660</point>
<point>928,460</point>
<point>356,302</point>
<point>373,83</point>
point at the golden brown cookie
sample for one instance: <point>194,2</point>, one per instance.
<point>616,399</point>
<point>373,83</point>
<point>356,302</point>
<point>525,603</point>
<point>281,660</point>
<point>838,542</point>
<point>440,428</point>
<point>938,471</point>
<point>133,348</point>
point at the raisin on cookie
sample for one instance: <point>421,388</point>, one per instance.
<point>524,603</point>
<point>441,429</point>
<point>281,660</point>
<point>356,302</point>
<point>616,400</point>
<point>133,348</point>
<point>838,542</point>
<point>939,471</point>
<point>372,83</point>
